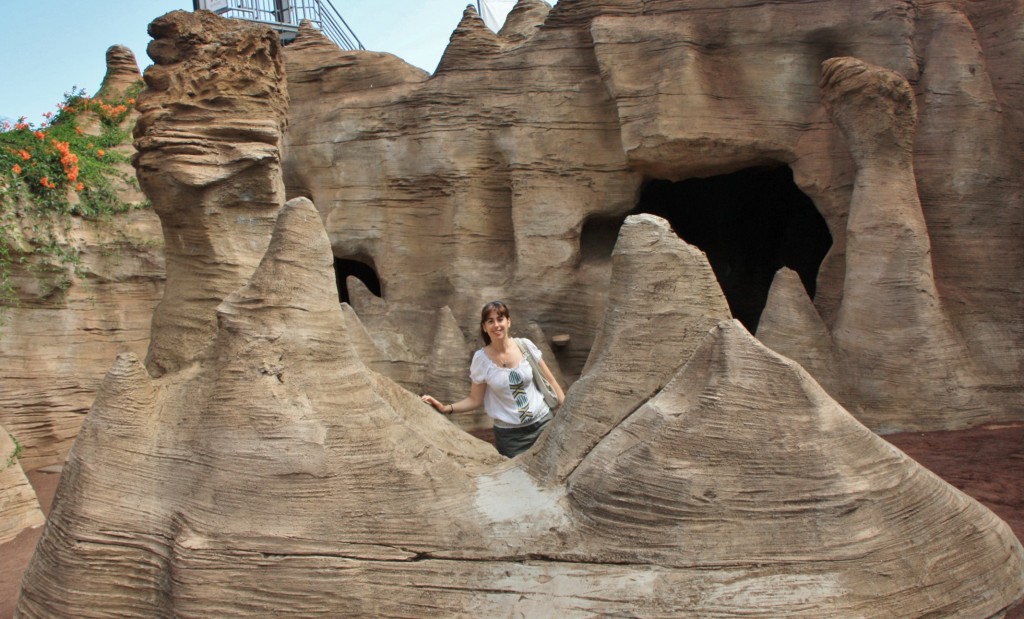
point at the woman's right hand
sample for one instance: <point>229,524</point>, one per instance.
<point>441,408</point>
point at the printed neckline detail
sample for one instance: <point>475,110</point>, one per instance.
<point>491,361</point>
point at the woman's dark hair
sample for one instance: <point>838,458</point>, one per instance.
<point>496,307</point>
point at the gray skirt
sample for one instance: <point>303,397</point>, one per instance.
<point>514,441</point>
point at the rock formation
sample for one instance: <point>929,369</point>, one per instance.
<point>19,508</point>
<point>890,301</point>
<point>273,473</point>
<point>57,345</point>
<point>122,73</point>
<point>223,147</point>
<point>508,172</point>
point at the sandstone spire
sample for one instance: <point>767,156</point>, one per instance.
<point>122,72</point>
<point>214,160</point>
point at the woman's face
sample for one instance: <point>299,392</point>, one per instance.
<point>496,325</point>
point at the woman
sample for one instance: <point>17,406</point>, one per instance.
<point>503,383</point>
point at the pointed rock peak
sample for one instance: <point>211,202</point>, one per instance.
<point>297,270</point>
<point>311,36</point>
<point>471,40</point>
<point>662,300</point>
<point>127,386</point>
<point>791,325</point>
<point>524,19</point>
<point>122,73</point>
<point>788,312</point>
<point>730,350</point>
<point>301,231</point>
<point>362,300</point>
<point>127,366</point>
<point>743,444</point>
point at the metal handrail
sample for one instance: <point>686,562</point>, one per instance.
<point>286,15</point>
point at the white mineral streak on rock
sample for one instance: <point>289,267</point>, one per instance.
<point>535,508</point>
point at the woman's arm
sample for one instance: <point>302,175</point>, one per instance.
<point>551,379</point>
<point>473,401</point>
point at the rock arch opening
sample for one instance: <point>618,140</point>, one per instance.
<point>750,224</point>
<point>344,267</point>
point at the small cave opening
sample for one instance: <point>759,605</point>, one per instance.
<point>344,267</point>
<point>750,224</point>
<point>597,237</point>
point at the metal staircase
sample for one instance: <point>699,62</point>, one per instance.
<point>286,15</point>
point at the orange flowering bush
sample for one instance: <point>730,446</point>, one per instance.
<point>42,167</point>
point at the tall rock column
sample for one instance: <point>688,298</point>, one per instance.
<point>208,158</point>
<point>897,343</point>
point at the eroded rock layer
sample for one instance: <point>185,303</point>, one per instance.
<point>262,461</point>
<point>65,324</point>
<point>506,173</point>
<point>281,476</point>
<point>19,507</point>
<point>207,146</point>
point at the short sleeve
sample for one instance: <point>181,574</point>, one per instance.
<point>478,368</point>
<point>533,349</point>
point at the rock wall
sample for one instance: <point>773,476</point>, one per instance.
<point>275,473</point>
<point>505,174</point>
<point>55,343</point>
<point>57,346</point>
<point>19,507</point>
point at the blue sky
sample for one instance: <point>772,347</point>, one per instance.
<point>49,46</point>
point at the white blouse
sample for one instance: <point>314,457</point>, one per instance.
<point>511,398</point>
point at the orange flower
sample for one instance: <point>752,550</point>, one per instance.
<point>79,187</point>
<point>45,181</point>
<point>16,169</point>
<point>99,152</point>
<point>24,154</point>
<point>40,135</point>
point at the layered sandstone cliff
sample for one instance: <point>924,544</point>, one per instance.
<point>64,323</point>
<point>508,172</point>
<point>262,467</point>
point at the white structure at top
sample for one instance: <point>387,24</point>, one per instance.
<point>494,12</point>
<point>286,15</point>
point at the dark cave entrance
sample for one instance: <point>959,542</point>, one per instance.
<point>344,267</point>
<point>750,224</point>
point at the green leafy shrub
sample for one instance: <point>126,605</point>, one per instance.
<point>11,459</point>
<point>59,170</point>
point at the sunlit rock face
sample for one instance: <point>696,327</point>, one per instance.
<point>279,474</point>
<point>508,172</point>
<point>208,143</point>
<point>65,324</point>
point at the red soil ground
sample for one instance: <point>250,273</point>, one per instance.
<point>987,463</point>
